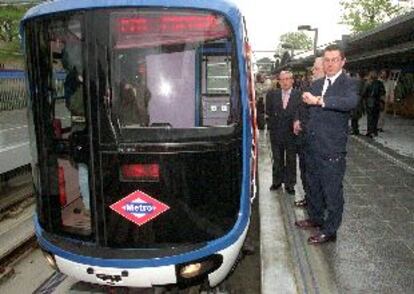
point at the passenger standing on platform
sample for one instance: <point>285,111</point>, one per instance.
<point>281,107</point>
<point>357,113</point>
<point>262,85</point>
<point>317,69</point>
<point>299,128</point>
<point>388,99</point>
<point>330,99</point>
<point>274,84</point>
<point>374,93</point>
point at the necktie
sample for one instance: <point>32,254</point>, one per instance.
<point>329,85</point>
<point>285,99</point>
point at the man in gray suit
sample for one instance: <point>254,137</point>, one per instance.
<point>281,107</point>
<point>330,99</point>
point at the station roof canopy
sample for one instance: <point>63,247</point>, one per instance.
<point>388,45</point>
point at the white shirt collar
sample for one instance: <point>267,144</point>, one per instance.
<point>326,83</point>
<point>333,78</point>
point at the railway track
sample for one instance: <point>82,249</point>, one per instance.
<point>17,237</point>
<point>8,260</point>
<point>16,190</point>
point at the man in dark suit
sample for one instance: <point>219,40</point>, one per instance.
<point>330,99</point>
<point>281,107</point>
<point>299,128</point>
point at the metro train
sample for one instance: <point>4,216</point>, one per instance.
<point>144,155</point>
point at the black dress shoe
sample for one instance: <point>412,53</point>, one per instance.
<point>321,238</point>
<point>290,191</point>
<point>274,187</point>
<point>306,224</point>
<point>300,203</point>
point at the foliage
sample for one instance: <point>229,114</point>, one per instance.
<point>298,40</point>
<point>405,86</point>
<point>364,15</point>
<point>295,41</point>
<point>10,16</point>
<point>10,53</point>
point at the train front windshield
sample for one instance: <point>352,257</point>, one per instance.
<point>137,119</point>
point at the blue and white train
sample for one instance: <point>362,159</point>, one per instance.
<point>144,156</point>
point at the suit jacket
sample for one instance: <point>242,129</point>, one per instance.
<point>302,114</point>
<point>327,127</point>
<point>280,121</point>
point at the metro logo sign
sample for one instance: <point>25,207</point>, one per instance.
<point>139,207</point>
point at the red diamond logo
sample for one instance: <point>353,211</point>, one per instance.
<point>139,207</point>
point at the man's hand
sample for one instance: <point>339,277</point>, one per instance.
<point>297,127</point>
<point>308,98</point>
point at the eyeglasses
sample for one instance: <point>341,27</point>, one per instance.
<point>333,60</point>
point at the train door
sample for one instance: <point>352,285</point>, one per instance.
<point>59,108</point>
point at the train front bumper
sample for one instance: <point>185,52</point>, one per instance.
<point>217,267</point>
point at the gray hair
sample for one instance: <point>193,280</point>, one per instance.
<point>319,73</point>
<point>286,72</point>
<point>318,60</point>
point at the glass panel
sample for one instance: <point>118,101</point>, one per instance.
<point>158,72</point>
<point>218,75</point>
<point>63,124</point>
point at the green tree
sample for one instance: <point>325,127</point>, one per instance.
<point>10,16</point>
<point>289,42</point>
<point>298,40</point>
<point>364,15</point>
<point>405,86</point>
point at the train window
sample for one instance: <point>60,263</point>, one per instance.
<point>170,71</point>
<point>218,75</point>
<point>62,108</point>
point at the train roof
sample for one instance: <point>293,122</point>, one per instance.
<point>226,7</point>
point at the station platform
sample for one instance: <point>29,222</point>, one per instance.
<point>14,140</point>
<point>374,252</point>
<point>395,142</point>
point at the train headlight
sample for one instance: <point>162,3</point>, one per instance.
<point>199,267</point>
<point>191,270</point>
<point>50,260</point>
